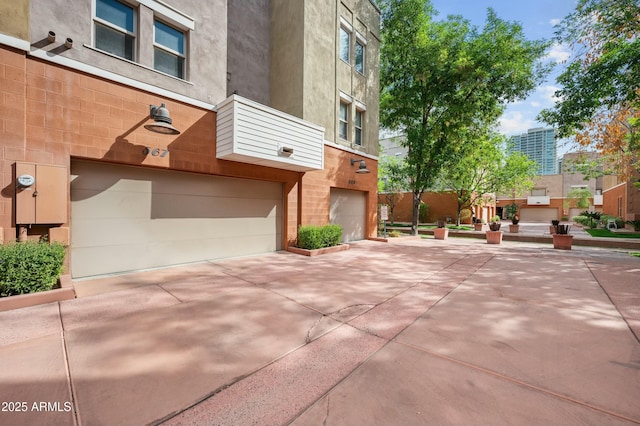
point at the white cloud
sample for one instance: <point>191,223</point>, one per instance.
<point>535,104</point>
<point>559,53</point>
<point>548,94</point>
<point>555,21</point>
<point>514,122</point>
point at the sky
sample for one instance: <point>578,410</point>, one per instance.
<point>537,18</point>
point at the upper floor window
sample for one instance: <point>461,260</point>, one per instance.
<point>358,127</point>
<point>344,121</point>
<point>168,49</point>
<point>115,28</point>
<point>345,45</point>
<point>360,50</point>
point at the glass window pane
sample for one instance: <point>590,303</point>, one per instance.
<point>358,126</point>
<point>168,63</point>
<point>115,12</point>
<point>342,129</point>
<point>359,58</point>
<point>169,37</point>
<point>114,42</point>
<point>345,41</point>
<point>343,112</point>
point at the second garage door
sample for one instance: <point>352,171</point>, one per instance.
<point>349,209</point>
<point>530,214</point>
<point>130,218</point>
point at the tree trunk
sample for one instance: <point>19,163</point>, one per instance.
<point>417,197</point>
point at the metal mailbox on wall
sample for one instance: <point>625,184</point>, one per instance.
<point>41,194</point>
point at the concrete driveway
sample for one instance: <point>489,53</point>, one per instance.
<point>406,332</point>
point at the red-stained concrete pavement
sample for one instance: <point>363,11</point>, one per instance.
<point>408,332</point>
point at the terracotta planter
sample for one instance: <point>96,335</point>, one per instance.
<point>478,226</point>
<point>562,241</point>
<point>494,237</point>
<point>514,229</point>
<point>440,233</point>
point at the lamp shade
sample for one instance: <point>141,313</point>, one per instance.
<point>162,121</point>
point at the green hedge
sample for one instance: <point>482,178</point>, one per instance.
<point>312,237</point>
<point>29,267</point>
<point>581,220</point>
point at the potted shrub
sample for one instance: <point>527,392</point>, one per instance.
<point>514,227</point>
<point>552,228</point>
<point>441,232</point>
<point>494,234</point>
<point>478,225</point>
<point>562,240</point>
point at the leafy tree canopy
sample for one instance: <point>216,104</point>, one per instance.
<point>600,94</point>
<point>440,78</point>
<point>487,169</point>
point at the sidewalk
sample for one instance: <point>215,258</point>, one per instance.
<point>415,331</point>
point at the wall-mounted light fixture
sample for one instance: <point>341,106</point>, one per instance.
<point>285,151</point>
<point>68,43</point>
<point>362,168</point>
<point>51,37</point>
<point>162,121</point>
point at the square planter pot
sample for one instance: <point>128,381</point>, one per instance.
<point>552,229</point>
<point>514,229</point>
<point>562,241</point>
<point>494,237</point>
<point>478,226</point>
<point>440,233</point>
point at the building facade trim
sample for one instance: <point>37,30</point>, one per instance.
<point>15,42</point>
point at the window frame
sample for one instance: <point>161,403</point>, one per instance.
<point>169,51</point>
<point>110,25</point>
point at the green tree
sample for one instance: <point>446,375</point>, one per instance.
<point>600,88</point>
<point>392,181</point>
<point>486,169</point>
<point>439,78</point>
<point>580,197</point>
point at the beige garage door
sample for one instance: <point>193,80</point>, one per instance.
<point>545,214</point>
<point>130,218</point>
<point>349,209</point>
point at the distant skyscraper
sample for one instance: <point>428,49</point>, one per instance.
<point>540,146</point>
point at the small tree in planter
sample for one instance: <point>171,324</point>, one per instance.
<point>478,225</point>
<point>494,235</point>
<point>562,240</point>
<point>441,232</point>
<point>514,227</point>
<point>511,209</point>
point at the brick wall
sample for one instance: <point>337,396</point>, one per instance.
<point>441,205</point>
<point>338,173</point>
<point>610,201</point>
<point>50,114</point>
